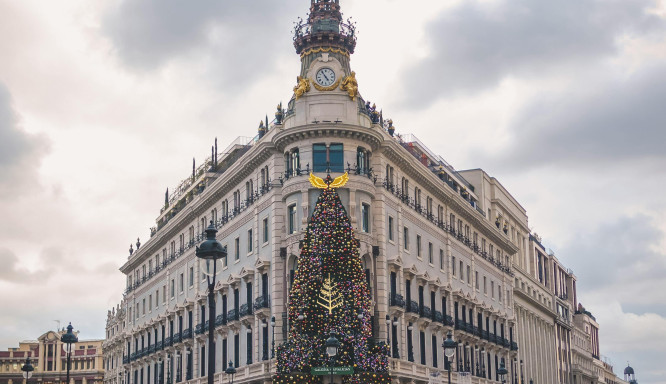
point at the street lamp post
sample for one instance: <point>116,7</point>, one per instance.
<point>231,371</point>
<point>388,334</point>
<point>211,249</point>
<point>502,372</point>
<point>332,345</point>
<point>69,338</point>
<point>27,369</point>
<point>449,346</point>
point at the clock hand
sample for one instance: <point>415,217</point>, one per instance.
<point>325,77</point>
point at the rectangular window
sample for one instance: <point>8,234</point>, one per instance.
<point>418,246</point>
<point>191,276</point>
<point>292,218</point>
<point>319,160</point>
<point>405,238</point>
<point>173,288</point>
<point>492,289</point>
<point>441,259</point>
<point>453,265</point>
<point>430,253</point>
<point>336,158</point>
<point>250,241</point>
<point>499,292</point>
<point>181,282</point>
<point>143,306</point>
<point>237,248</point>
<point>485,286</point>
<point>462,270</point>
<point>164,296</point>
<point>265,226</point>
<point>157,298</point>
<point>390,228</point>
<point>476,279</point>
<point>365,216</point>
<point>469,275</point>
<point>150,303</point>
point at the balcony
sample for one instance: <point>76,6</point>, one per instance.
<point>151,349</point>
<point>425,315</point>
<point>398,301</point>
<point>177,338</point>
<point>221,320</point>
<point>168,342</point>
<point>159,346</point>
<point>413,307</point>
<point>262,306</point>
<point>126,360</point>
<point>438,317</point>
<point>201,328</point>
<point>245,310</point>
<point>232,316</point>
<point>514,346</point>
<point>261,302</point>
<point>187,334</point>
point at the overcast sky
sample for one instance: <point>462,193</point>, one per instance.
<point>103,105</point>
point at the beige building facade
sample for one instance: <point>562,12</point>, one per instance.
<point>48,357</point>
<point>443,250</point>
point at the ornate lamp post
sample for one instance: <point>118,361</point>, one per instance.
<point>27,369</point>
<point>449,346</point>
<point>69,338</point>
<point>332,345</point>
<point>231,371</point>
<point>502,372</point>
<point>211,249</point>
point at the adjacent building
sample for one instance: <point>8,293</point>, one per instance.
<point>48,357</point>
<point>443,249</point>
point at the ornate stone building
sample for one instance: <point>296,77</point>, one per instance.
<point>443,249</point>
<point>48,357</point>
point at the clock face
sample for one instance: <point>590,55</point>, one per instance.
<point>325,77</point>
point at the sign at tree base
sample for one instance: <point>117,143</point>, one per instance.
<point>319,371</point>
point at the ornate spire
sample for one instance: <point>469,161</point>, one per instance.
<point>324,29</point>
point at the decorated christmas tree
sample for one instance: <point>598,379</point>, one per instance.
<point>330,295</point>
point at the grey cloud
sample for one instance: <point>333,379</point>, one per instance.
<point>618,121</point>
<point>19,151</point>
<point>477,44</point>
<point>13,272</point>
<point>240,36</point>
<point>622,256</point>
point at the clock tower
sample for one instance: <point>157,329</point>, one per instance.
<point>326,89</point>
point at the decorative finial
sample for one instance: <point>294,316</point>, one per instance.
<point>131,250</point>
<point>138,243</point>
<point>279,114</point>
<point>262,129</point>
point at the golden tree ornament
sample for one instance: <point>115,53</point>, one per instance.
<point>330,298</point>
